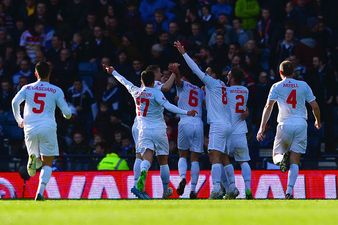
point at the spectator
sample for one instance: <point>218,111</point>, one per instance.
<point>112,162</point>
<point>52,54</point>
<point>161,23</point>
<point>207,19</point>
<point>286,47</point>
<point>238,34</point>
<point>111,96</point>
<point>174,33</point>
<point>197,38</point>
<point>6,96</point>
<point>100,46</point>
<point>25,71</point>
<point>65,69</point>
<point>222,7</point>
<point>77,151</point>
<point>148,7</point>
<point>247,11</point>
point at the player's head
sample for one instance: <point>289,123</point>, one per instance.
<point>286,69</point>
<point>42,70</point>
<point>156,70</point>
<point>235,76</point>
<point>148,78</point>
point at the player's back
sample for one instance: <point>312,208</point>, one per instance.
<point>238,98</point>
<point>149,108</point>
<point>218,110</point>
<point>40,102</point>
<point>190,97</point>
<point>291,95</point>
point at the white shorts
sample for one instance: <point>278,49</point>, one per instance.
<point>190,136</point>
<point>290,138</point>
<point>218,136</point>
<point>134,131</point>
<point>237,147</point>
<point>154,139</point>
<point>42,141</point>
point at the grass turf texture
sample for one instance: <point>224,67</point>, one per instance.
<point>173,212</point>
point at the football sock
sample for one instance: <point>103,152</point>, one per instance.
<point>137,170</point>
<point>165,176</point>
<point>224,180</point>
<point>182,167</point>
<point>292,177</point>
<point>216,170</point>
<point>246,173</point>
<point>277,159</point>
<point>195,172</point>
<point>230,174</point>
<point>45,175</point>
<point>145,165</point>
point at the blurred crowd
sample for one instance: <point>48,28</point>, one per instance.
<point>77,36</point>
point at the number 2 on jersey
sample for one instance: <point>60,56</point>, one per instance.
<point>40,102</point>
<point>292,99</point>
<point>139,101</point>
<point>239,103</point>
<point>193,100</point>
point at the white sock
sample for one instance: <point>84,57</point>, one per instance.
<point>195,172</point>
<point>246,173</point>
<point>45,175</point>
<point>230,173</point>
<point>182,167</point>
<point>145,165</point>
<point>224,180</point>
<point>277,159</point>
<point>292,177</point>
<point>165,176</point>
<point>216,170</point>
<point>137,170</point>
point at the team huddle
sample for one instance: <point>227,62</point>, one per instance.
<point>226,113</point>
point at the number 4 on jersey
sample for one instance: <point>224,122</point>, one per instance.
<point>292,99</point>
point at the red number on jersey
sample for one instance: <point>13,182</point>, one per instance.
<point>239,103</point>
<point>139,101</point>
<point>224,96</point>
<point>292,99</point>
<point>40,102</point>
<point>193,100</point>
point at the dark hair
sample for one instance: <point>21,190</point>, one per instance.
<point>43,69</point>
<point>152,68</point>
<point>237,74</point>
<point>148,78</point>
<point>286,68</point>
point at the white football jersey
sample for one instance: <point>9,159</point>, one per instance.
<point>291,95</point>
<point>216,101</point>
<point>41,99</point>
<point>190,97</point>
<point>238,98</point>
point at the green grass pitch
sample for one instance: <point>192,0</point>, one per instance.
<point>173,212</point>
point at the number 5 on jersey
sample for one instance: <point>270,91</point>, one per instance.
<point>38,99</point>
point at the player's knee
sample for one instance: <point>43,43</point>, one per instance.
<point>294,158</point>
<point>184,154</point>
<point>215,156</point>
<point>194,157</point>
<point>162,159</point>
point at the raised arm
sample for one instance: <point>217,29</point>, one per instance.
<point>192,65</point>
<point>17,100</point>
<point>175,70</point>
<point>265,118</point>
<point>168,84</point>
<point>132,89</point>
<point>63,106</point>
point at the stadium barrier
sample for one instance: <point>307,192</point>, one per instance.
<point>310,184</point>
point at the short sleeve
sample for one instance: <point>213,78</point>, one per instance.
<point>273,95</point>
<point>309,97</point>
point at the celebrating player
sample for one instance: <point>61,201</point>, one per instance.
<point>219,119</point>
<point>39,124</point>
<point>237,145</point>
<point>190,130</point>
<point>164,88</point>
<point>152,137</point>
<point>291,137</point>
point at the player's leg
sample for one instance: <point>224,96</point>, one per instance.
<point>281,147</point>
<point>182,170</point>
<point>165,175</point>
<point>138,159</point>
<point>293,173</point>
<point>45,174</point>
<point>32,145</point>
<point>246,173</point>
<point>147,159</point>
<point>230,174</point>
<point>194,173</point>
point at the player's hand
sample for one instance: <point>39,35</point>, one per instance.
<point>21,124</point>
<point>109,69</point>
<point>173,67</point>
<point>179,47</point>
<point>192,113</point>
<point>318,125</point>
<point>260,135</point>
